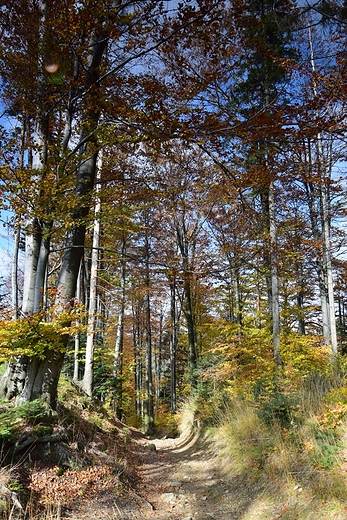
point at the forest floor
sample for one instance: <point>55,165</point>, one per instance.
<point>175,479</point>
<point>178,479</point>
<point>112,471</point>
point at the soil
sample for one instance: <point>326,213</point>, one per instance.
<point>174,479</point>
<point>159,479</point>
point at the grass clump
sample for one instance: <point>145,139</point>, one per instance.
<point>291,454</point>
<point>243,438</point>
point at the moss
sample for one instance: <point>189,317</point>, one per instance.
<point>3,506</point>
<point>42,429</point>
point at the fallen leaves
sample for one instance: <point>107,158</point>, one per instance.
<point>51,487</point>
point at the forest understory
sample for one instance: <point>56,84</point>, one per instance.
<point>236,465</point>
<point>173,203</point>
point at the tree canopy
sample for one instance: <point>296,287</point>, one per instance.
<point>175,172</point>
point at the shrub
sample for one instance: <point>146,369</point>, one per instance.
<point>13,418</point>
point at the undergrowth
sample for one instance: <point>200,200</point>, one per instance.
<point>90,455</point>
<point>290,444</point>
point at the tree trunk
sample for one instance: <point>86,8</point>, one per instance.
<point>300,303</point>
<point>118,349</point>
<point>149,413</point>
<point>274,276</point>
<point>271,265</point>
<point>42,376</point>
<point>13,381</point>
<point>173,346</point>
<point>41,273</point>
<point>75,376</point>
<point>88,378</point>
<point>317,236</point>
<point>14,273</point>
<point>188,304</point>
<point>327,247</point>
<point>325,203</point>
<point>138,360</point>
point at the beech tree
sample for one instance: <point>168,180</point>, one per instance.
<point>217,189</point>
<point>71,72</point>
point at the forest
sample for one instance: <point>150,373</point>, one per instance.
<point>173,183</point>
<point>174,172</point>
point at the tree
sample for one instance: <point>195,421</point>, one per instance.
<point>40,376</point>
<point>88,377</point>
<point>75,80</point>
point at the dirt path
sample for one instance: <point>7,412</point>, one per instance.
<point>176,479</point>
<point>183,479</point>
<point>180,479</point>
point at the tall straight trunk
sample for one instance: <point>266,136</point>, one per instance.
<point>271,264</point>
<point>300,303</point>
<point>77,338</point>
<point>188,303</point>
<point>158,357</point>
<point>16,243</point>
<point>14,273</point>
<point>265,203</point>
<point>138,360</point>
<point>311,196</point>
<point>323,171</point>
<point>274,276</point>
<point>173,346</point>
<point>32,226</point>
<point>41,273</point>
<point>88,377</point>
<point>118,349</point>
<point>149,412</point>
<point>14,379</point>
<point>192,352</point>
<point>328,266</point>
<point>42,375</point>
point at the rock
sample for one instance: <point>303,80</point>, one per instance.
<point>175,484</point>
<point>169,497</point>
<point>150,446</point>
<point>212,483</point>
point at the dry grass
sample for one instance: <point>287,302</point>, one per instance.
<point>296,472</point>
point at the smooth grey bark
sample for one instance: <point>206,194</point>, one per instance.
<point>41,273</point>
<point>324,260</point>
<point>158,358</point>
<point>14,379</point>
<point>173,345</point>
<point>118,348</point>
<point>77,339</point>
<point>32,226</point>
<point>14,273</point>
<point>42,376</point>
<point>311,196</point>
<point>138,360</point>
<point>88,377</point>
<point>149,409</point>
<point>325,203</point>
<point>274,275</point>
